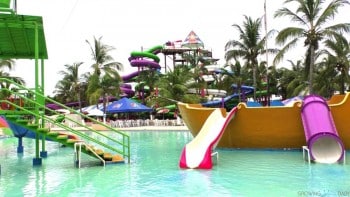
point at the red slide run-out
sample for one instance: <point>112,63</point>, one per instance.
<point>197,153</point>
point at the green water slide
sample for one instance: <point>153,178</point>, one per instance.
<point>136,54</point>
<point>155,49</point>
<point>106,148</point>
<point>150,53</point>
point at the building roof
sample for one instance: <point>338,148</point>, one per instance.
<point>17,37</point>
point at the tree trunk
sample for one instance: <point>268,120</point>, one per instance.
<point>311,69</point>
<point>342,90</point>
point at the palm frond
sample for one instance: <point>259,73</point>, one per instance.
<point>280,55</point>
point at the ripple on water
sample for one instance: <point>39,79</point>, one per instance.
<point>154,171</point>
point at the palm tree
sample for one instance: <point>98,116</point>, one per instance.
<point>198,73</point>
<point>327,78</point>
<point>62,93</point>
<point>173,86</point>
<point>103,62</point>
<point>292,82</point>
<point>197,62</point>
<point>68,89</point>
<point>148,78</point>
<point>4,85</point>
<point>108,86</point>
<point>104,65</point>
<point>249,45</point>
<point>8,64</point>
<point>313,19</point>
<point>338,55</point>
<point>232,74</point>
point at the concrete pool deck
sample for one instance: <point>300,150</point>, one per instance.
<point>139,128</point>
<point>155,128</point>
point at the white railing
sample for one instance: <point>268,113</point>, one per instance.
<point>147,122</point>
<point>306,150</point>
<point>77,153</point>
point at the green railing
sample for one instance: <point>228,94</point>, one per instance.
<point>21,92</point>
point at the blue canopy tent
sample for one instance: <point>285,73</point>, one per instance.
<point>126,105</point>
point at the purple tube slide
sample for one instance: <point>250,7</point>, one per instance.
<point>322,138</point>
<point>145,63</point>
<point>130,76</point>
<point>129,92</point>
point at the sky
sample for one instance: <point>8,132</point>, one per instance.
<point>132,25</point>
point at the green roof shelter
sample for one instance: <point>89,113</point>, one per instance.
<point>23,37</point>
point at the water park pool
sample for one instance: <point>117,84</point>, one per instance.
<point>154,171</point>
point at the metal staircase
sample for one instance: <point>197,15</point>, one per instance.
<point>26,112</point>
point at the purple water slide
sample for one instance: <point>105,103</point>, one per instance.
<point>322,138</point>
<point>125,85</point>
<point>130,76</point>
<point>128,91</point>
<point>144,63</point>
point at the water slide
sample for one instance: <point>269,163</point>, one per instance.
<point>198,153</point>
<point>20,131</point>
<point>322,137</point>
<point>127,89</point>
<point>130,75</point>
<point>139,59</point>
<point>245,90</point>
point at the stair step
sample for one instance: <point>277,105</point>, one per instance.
<point>52,133</point>
<point>116,158</point>
<point>107,156</point>
<point>44,130</point>
<point>88,147</point>
<point>12,117</point>
<point>62,137</point>
<point>22,121</point>
<point>99,152</point>
<point>72,141</point>
<point>33,125</point>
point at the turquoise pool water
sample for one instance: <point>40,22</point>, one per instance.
<point>154,171</point>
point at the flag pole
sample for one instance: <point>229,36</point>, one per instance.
<point>267,56</point>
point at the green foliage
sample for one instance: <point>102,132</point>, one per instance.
<point>314,20</point>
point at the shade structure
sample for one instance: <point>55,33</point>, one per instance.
<point>93,110</point>
<point>291,101</point>
<point>163,111</point>
<point>126,105</point>
<point>193,41</point>
<point>63,111</point>
<point>17,36</point>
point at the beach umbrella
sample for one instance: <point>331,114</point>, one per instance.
<point>92,110</point>
<point>95,112</point>
<point>163,111</point>
<point>62,111</point>
<point>126,105</point>
<point>291,101</point>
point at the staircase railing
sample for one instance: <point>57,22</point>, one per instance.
<point>28,109</point>
<point>77,153</point>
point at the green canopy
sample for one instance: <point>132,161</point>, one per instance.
<point>17,37</point>
<point>5,3</point>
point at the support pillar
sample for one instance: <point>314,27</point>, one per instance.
<point>20,145</point>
